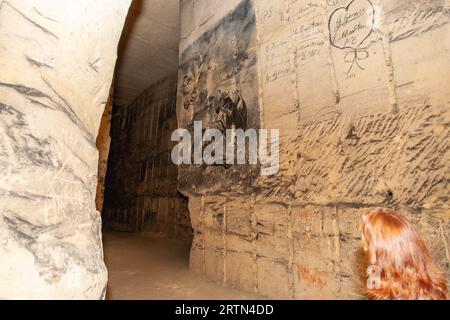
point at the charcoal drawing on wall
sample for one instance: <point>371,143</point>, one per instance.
<point>219,86</point>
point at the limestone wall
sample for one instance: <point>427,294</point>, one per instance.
<point>141,185</point>
<point>103,144</point>
<point>57,60</point>
<point>359,92</point>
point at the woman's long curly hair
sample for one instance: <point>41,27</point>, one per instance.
<point>406,269</point>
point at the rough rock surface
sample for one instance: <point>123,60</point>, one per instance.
<point>359,91</point>
<point>57,60</point>
<point>103,144</point>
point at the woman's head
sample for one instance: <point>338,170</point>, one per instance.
<point>394,247</point>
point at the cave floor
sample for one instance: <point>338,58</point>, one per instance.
<point>147,266</point>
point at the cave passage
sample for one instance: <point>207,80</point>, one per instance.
<point>350,140</point>
<point>147,232</point>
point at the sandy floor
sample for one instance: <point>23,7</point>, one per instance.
<point>144,266</point>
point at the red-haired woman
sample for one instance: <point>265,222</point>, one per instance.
<point>400,264</point>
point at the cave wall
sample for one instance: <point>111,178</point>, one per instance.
<point>141,185</point>
<point>56,71</point>
<point>103,144</point>
<point>359,92</point>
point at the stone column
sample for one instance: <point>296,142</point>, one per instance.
<point>56,60</point>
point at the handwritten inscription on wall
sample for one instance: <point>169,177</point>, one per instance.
<point>349,27</point>
<point>276,55</point>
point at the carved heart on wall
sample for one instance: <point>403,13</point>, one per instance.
<point>350,26</point>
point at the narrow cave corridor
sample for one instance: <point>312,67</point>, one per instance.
<point>147,232</point>
<point>211,149</point>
